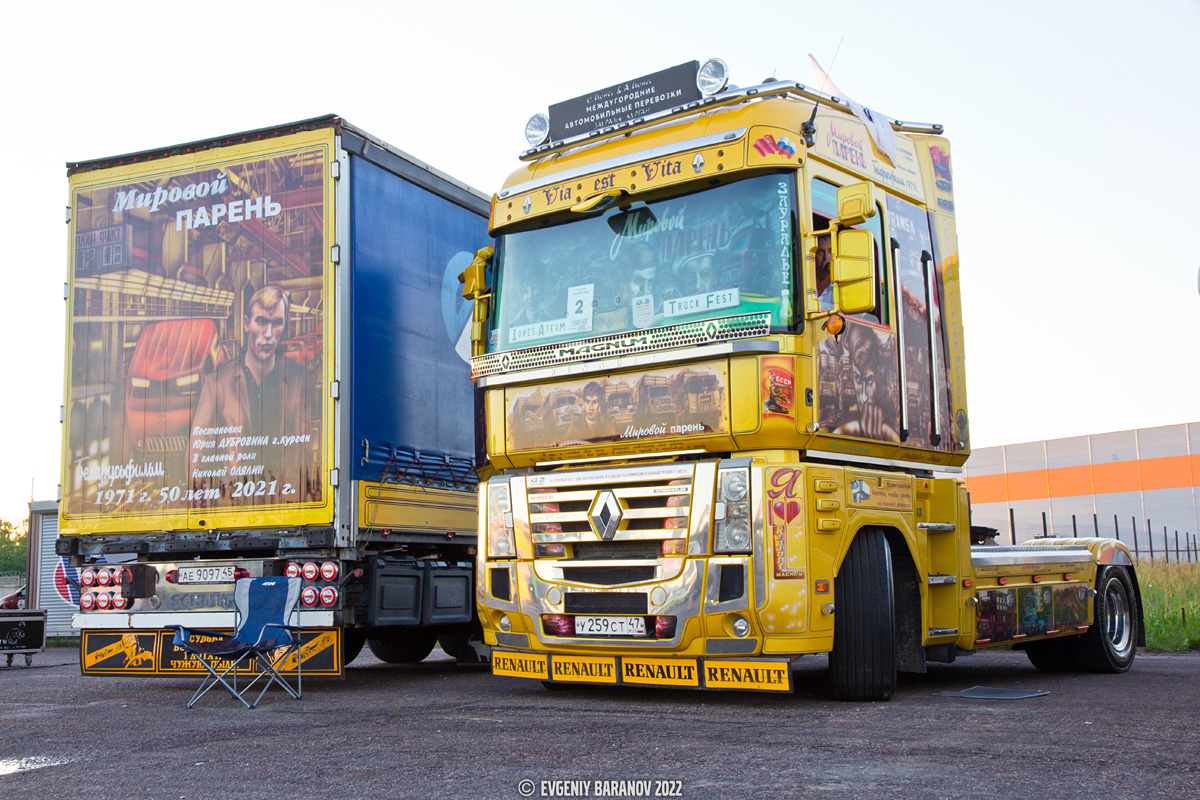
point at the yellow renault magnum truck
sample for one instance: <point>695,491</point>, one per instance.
<point>771,288</point>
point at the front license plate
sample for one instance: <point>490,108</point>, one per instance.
<point>206,574</point>
<point>610,626</point>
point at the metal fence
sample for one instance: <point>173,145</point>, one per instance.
<point>10,582</point>
<point>1143,539</point>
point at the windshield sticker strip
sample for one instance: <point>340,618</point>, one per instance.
<point>690,334</point>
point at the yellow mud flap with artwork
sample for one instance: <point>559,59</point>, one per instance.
<point>153,653</point>
<point>753,675</point>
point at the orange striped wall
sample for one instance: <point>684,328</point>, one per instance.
<point>1174,472</point>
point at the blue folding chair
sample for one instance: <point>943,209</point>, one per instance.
<point>264,636</point>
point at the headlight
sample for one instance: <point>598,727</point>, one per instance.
<point>733,535</point>
<point>537,130</point>
<point>712,77</point>
<point>500,527</point>
<point>734,486</point>
<point>731,531</point>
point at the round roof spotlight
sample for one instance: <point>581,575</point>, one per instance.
<point>712,77</point>
<point>537,130</point>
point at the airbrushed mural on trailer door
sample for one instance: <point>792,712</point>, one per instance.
<point>197,333</point>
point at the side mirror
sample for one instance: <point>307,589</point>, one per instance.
<point>474,277</point>
<point>856,204</point>
<point>853,271</point>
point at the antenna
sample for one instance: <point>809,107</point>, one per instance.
<point>809,129</point>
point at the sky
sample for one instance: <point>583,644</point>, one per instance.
<point>1073,127</point>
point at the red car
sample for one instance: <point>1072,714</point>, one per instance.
<point>14,601</point>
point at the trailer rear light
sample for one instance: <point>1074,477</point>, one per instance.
<point>88,577</point>
<point>329,571</point>
<point>240,572</point>
<point>329,595</point>
<point>310,571</point>
<point>309,596</point>
<point>119,603</point>
<point>547,549</point>
<point>664,627</point>
<point>87,601</point>
<point>103,601</point>
<point>674,547</point>
<point>122,577</point>
<point>172,576</point>
<point>292,570</point>
<point>103,577</point>
<point>558,624</point>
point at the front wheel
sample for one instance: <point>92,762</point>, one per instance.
<point>862,664</point>
<point>1110,645</point>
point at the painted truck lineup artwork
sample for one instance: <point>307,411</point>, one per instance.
<point>196,336</point>
<point>655,404</point>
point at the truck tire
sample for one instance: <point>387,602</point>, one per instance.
<point>1048,656</point>
<point>409,647</point>
<point>465,644</point>
<point>353,640</point>
<point>1110,645</point>
<point>862,664</point>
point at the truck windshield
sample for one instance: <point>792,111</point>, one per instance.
<point>718,252</point>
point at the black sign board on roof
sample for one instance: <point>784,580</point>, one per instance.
<point>625,101</point>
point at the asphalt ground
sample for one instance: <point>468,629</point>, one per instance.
<point>438,730</point>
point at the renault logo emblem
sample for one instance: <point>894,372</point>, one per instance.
<point>605,514</point>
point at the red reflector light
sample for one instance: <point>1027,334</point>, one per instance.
<point>292,570</point>
<point>558,624</point>
<point>103,600</point>
<point>172,576</point>
<point>88,577</point>
<point>968,583</point>
<point>87,601</point>
<point>119,603</point>
<point>1066,576</point>
<point>240,572</point>
<point>309,596</point>
<point>103,577</point>
<point>664,627</point>
<point>1037,578</point>
<point>329,595</point>
<point>822,587</point>
<point>311,571</point>
<point>1001,581</point>
<point>329,571</point>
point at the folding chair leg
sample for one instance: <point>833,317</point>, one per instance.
<point>213,678</point>
<point>270,671</point>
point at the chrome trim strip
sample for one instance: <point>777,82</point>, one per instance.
<point>937,526</point>
<point>617,162</point>
<point>992,556</point>
<point>665,472</point>
<point>761,557</point>
<point>943,632</point>
<point>695,336</point>
<point>939,580</point>
<point>886,462</point>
